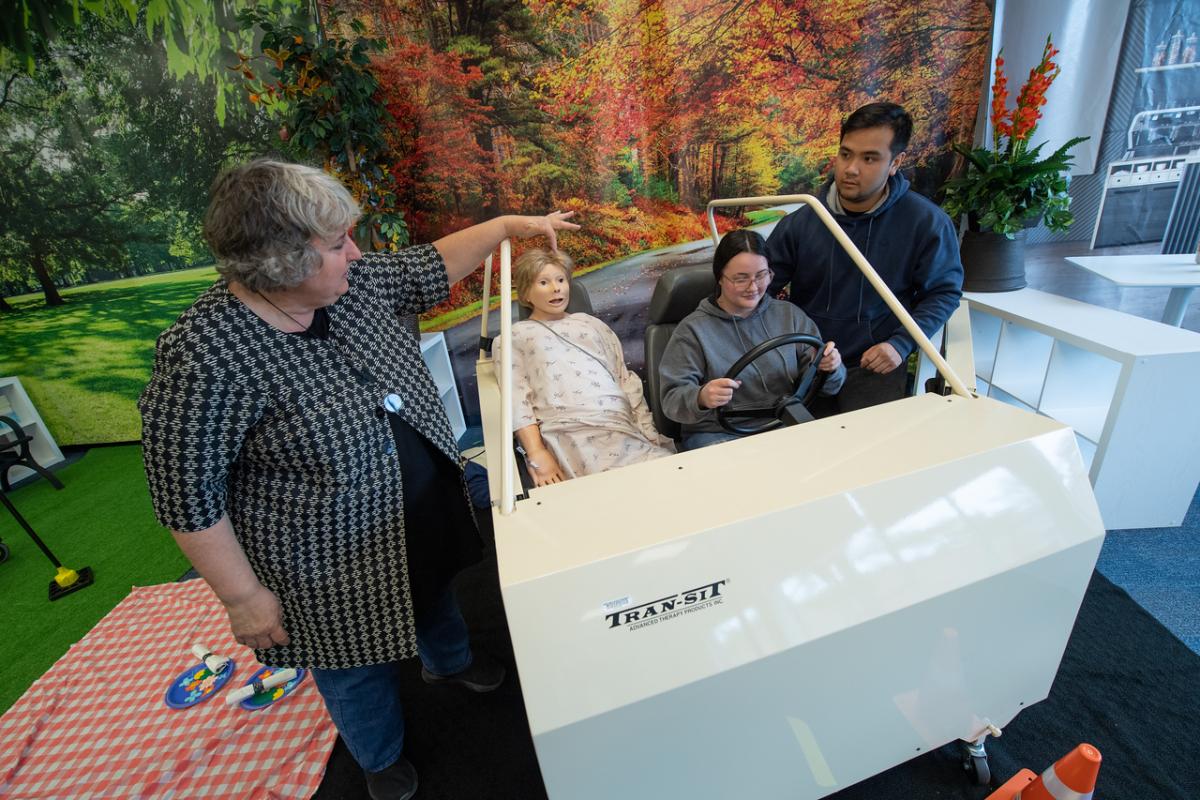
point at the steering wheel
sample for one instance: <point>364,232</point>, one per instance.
<point>782,412</point>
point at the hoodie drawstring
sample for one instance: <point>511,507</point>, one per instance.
<point>778,352</point>
<point>862,279</point>
<point>746,346</point>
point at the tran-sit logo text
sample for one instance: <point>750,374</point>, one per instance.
<point>665,608</point>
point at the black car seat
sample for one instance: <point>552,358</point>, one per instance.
<point>676,295</point>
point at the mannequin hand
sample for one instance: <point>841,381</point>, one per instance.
<point>525,227</point>
<point>831,359</point>
<point>257,620</point>
<point>881,358</point>
<point>544,467</point>
<point>717,392</point>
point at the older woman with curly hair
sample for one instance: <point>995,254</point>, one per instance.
<point>296,448</point>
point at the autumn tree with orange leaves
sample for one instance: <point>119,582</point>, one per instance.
<point>639,111</point>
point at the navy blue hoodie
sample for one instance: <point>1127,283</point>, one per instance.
<point>913,246</point>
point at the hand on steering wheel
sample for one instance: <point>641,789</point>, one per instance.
<point>807,386</point>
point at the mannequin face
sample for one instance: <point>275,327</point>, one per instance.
<point>864,163</point>
<point>549,293</point>
<point>743,282</point>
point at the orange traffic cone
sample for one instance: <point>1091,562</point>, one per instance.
<point>1072,777</point>
<point>1014,785</point>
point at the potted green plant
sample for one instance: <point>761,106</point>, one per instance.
<point>1009,187</point>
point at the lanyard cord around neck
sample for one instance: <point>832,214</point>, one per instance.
<point>303,327</point>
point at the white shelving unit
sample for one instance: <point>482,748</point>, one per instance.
<point>1127,386</point>
<point>437,358</point>
<point>43,447</point>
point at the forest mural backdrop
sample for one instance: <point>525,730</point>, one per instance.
<point>438,115</point>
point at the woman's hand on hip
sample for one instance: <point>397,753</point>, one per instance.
<point>257,619</point>
<point>548,226</point>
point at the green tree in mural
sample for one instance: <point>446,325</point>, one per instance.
<point>197,36</point>
<point>105,157</point>
<point>64,201</point>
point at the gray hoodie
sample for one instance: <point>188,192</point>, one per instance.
<point>709,340</point>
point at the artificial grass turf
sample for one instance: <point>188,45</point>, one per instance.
<point>84,363</point>
<point>102,519</point>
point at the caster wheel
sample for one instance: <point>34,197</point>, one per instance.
<point>3,552</point>
<point>977,770</point>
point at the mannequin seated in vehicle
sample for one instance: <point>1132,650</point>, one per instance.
<point>577,409</point>
<point>705,379</point>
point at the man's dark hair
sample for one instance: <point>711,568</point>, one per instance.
<point>882,115</point>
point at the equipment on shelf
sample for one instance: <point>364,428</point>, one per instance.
<point>1140,200</point>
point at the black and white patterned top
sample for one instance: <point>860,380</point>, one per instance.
<point>287,436</point>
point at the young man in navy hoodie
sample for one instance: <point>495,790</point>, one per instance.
<point>911,243</point>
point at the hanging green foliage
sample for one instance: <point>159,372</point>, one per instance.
<point>196,34</point>
<point>320,88</point>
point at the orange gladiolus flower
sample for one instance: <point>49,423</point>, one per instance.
<point>1001,119</point>
<point>1019,123</point>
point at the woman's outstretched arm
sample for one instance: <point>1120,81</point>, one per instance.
<point>463,251</point>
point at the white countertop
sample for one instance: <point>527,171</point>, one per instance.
<point>1144,270</point>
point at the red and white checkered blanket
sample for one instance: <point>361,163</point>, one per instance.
<point>95,725</point>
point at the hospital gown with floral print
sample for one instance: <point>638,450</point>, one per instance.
<point>569,376</point>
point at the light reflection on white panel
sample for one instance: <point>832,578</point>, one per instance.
<point>924,532</point>
<point>926,548</point>
<point>943,689</point>
<point>663,552</point>
<point>995,493</point>
<point>821,772</point>
<point>867,553</point>
<point>727,630</point>
<point>1060,455</point>
<point>799,589</point>
<point>920,522</point>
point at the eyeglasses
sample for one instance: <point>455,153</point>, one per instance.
<point>741,281</point>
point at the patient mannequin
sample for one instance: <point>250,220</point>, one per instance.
<point>577,409</point>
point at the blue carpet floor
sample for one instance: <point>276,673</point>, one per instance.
<point>1160,568</point>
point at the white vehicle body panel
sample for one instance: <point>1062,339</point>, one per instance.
<point>787,614</point>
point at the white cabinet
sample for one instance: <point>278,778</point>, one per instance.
<point>437,358</point>
<point>1127,386</point>
<point>14,403</point>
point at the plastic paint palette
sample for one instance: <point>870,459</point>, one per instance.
<point>196,684</point>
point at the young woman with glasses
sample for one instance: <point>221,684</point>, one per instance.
<point>724,327</point>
